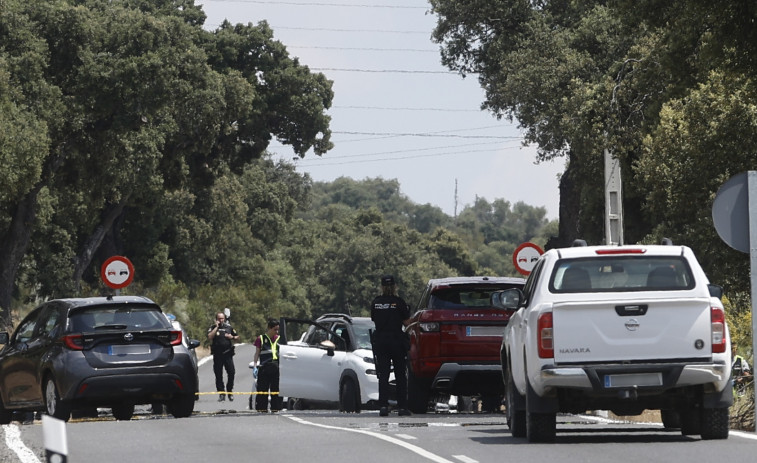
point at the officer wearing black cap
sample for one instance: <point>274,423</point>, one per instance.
<point>390,314</point>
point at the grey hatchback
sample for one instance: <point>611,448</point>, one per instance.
<point>113,352</point>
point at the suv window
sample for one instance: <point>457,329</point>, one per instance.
<point>118,317</point>
<point>461,297</point>
<point>622,273</point>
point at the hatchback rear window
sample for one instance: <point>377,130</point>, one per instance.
<point>621,273</point>
<point>118,317</point>
<point>462,297</point>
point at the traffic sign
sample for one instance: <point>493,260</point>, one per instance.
<point>117,272</point>
<point>525,257</point>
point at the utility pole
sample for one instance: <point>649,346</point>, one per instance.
<point>455,216</point>
<point>613,200</point>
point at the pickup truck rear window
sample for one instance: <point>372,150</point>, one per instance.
<point>621,273</point>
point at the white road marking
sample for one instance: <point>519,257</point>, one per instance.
<point>413,448</point>
<point>406,436</point>
<point>465,459</point>
<point>14,442</point>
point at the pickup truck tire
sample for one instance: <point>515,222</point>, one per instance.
<point>540,426</point>
<point>514,408</point>
<point>417,393</point>
<point>671,419</point>
<point>715,423</point>
<point>691,422</point>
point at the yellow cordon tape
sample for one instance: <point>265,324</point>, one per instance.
<point>236,393</point>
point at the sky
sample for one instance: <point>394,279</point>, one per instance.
<point>397,112</point>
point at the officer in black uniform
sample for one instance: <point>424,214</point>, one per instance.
<point>390,314</point>
<point>222,336</point>
<point>267,357</point>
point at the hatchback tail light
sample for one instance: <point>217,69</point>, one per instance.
<point>545,336</point>
<point>74,341</point>
<point>717,319</point>
<point>175,338</point>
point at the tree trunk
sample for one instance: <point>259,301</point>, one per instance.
<point>13,247</point>
<point>83,260</point>
<point>570,208</point>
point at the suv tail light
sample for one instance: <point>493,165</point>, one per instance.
<point>175,338</point>
<point>429,327</point>
<point>717,318</point>
<point>74,341</point>
<point>544,330</point>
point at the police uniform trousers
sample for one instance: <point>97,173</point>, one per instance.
<point>268,380</point>
<point>390,349</point>
<point>221,362</point>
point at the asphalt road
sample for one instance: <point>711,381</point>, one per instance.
<point>227,431</point>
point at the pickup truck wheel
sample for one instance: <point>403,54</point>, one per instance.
<point>417,394</point>
<point>541,427</point>
<point>715,422</point>
<point>691,423</point>
<point>671,419</point>
<point>516,417</point>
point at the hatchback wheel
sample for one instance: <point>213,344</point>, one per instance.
<point>123,411</point>
<point>182,405</point>
<point>349,397</point>
<point>5,415</point>
<point>54,406</point>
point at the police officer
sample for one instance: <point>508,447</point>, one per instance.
<point>390,314</point>
<point>266,364</point>
<point>222,336</point>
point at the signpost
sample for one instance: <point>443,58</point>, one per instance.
<point>734,213</point>
<point>525,257</point>
<point>117,272</point>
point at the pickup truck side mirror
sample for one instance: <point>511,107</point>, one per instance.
<point>507,299</point>
<point>715,291</point>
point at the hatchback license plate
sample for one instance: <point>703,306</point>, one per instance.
<point>484,330</point>
<point>129,349</point>
<point>634,379</point>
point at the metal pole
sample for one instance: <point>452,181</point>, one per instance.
<point>752,201</point>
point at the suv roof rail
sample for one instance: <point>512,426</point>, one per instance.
<point>667,242</point>
<point>336,315</point>
<point>579,243</point>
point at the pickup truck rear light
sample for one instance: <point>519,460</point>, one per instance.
<point>717,318</point>
<point>429,327</point>
<point>545,339</point>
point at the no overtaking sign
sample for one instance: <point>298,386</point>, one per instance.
<point>117,272</point>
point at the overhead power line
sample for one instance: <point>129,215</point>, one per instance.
<point>324,29</point>
<point>400,71</point>
<point>419,50</point>
<point>385,108</point>
<point>339,5</point>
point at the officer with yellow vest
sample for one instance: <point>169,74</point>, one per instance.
<point>266,363</point>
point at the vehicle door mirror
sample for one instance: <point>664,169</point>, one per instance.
<point>715,291</point>
<point>193,343</point>
<point>329,346</point>
<point>507,299</point>
<point>3,337</point>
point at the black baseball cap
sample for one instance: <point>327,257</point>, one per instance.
<point>387,280</point>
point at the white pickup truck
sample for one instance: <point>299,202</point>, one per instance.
<point>619,328</point>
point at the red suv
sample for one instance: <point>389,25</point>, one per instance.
<point>455,337</point>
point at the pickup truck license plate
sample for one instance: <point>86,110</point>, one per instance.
<point>634,379</point>
<point>484,330</point>
<point>129,349</point>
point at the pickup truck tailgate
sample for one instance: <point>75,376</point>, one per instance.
<point>625,330</point>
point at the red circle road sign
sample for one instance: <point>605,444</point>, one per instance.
<point>525,257</point>
<point>117,272</point>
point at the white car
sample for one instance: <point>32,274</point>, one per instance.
<point>330,363</point>
<point>620,328</point>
